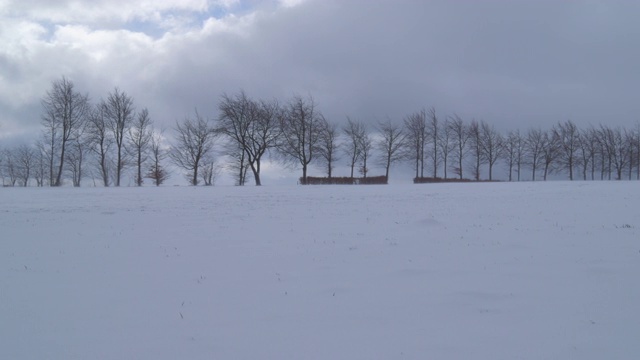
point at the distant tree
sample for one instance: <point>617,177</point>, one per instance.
<point>119,113</point>
<point>445,144</point>
<point>616,149</point>
<point>10,168</point>
<point>475,145</point>
<point>101,142</point>
<point>24,158</point>
<point>139,139</point>
<point>2,165</point>
<point>433,133</point>
<point>65,110</point>
<point>40,168</point>
<point>587,150</point>
<point>328,146</point>
<point>264,135</point>
<point>75,158</point>
<point>637,147</point>
<point>254,128</point>
<point>236,113</point>
<point>301,126</point>
<point>195,139</point>
<point>534,143</point>
<point>157,172</point>
<point>50,144</point>
<point>354,131</point>
<point>366,147</point>
<point>238,164</point>
<point>550,152</point>
<point>491,145</point>
<point>567,136</point>
<point>460,141</point>
<point>390,144</point>
<point>210,170</point>
<point>629,140</point>
<point>513,150</point>
<point>416,130</point>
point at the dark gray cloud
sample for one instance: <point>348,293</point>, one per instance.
<point>515,64</point>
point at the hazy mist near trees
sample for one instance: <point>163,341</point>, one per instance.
<point>113,142</point>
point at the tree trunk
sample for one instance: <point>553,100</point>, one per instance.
<point>256,176</point>
<point>60,167</point>
<point>139,179</point>
<point>118,167</point>
<point>304,174</point>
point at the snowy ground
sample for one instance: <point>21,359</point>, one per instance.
<point>440,271</point>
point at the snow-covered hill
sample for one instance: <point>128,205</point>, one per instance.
<point>441,271</point>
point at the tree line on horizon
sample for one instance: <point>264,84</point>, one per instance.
<point>105,140</point>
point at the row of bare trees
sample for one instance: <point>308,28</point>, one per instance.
<point>106,139</point>
<point>80,139</point>
<point>299,136</point>
<point>601,152</point>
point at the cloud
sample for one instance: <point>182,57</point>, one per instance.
<point>514,64</point>
<point>121,11</point>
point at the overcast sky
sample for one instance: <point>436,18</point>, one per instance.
<point>513,63</point>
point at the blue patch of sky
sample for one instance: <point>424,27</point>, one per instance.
<point>193,19</point>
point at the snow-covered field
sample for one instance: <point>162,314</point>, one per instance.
<point>441,271</point>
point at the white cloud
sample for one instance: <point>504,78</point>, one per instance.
<point>291,3</point>
<point>359,58</point>
<point>71,11</point>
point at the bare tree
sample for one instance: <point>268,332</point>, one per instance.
<point>616,148</point>
<point>23,157</point>
<point>195,140</point>
<point>366,146</point>
<point>460,141</point>
<point>157,172</point>
<point>139,139</point>
<point>328,146</point>
<point>588,148</point>
<point>534,143</point>
<point>119,112</point>
<point>64,112</point>
<point>629,140</point>
<point>390,145</point>
<point>264,134</point>
<point>637,147</point>
<point>10,168</point>
<point>301,126</point>
<point>40,169</point>
<point>433,128</point>
<point>567,136</point>
<point>76,155</point>
<point>101,140</point>
<point>50,145</point>
<point>210,170</point>
<point>234,122</point>
<point>445,143</point>
<point>475,145</point>
<point>550,152</point>
<point>491,145</point>
<point>253,127</point>
<point>238,164</point>
<point>416,130</point>
<point>354,131</point>
<point>512,152</point>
